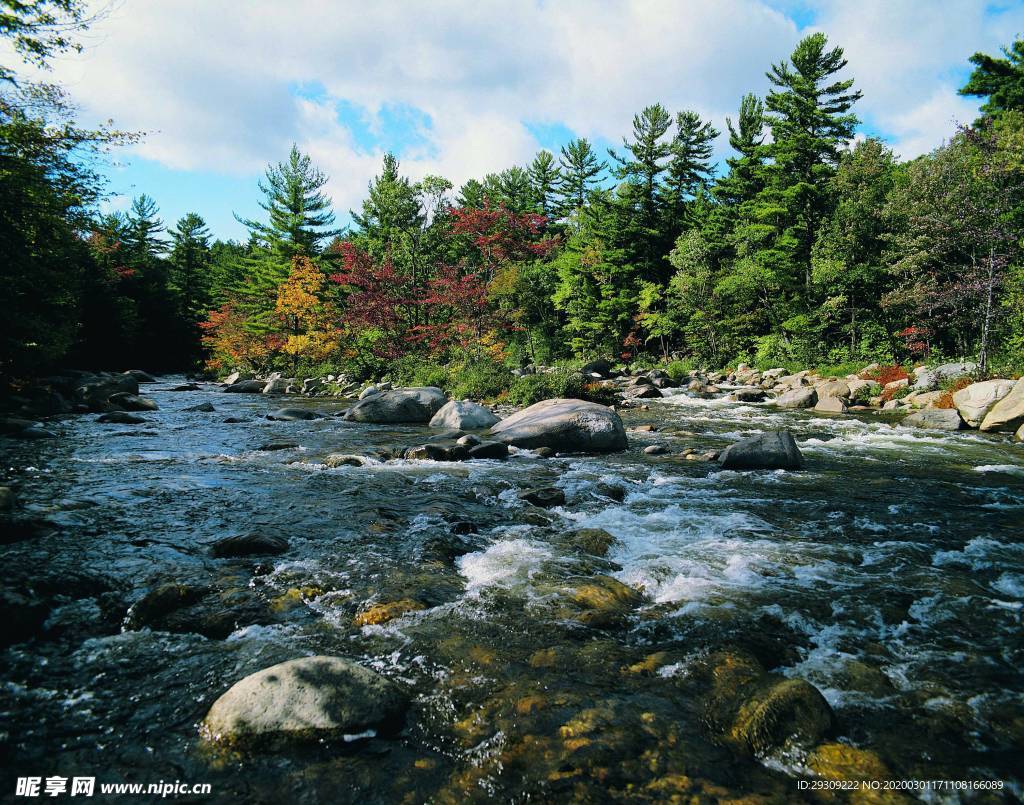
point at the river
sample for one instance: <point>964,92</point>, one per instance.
<point>889,573</point>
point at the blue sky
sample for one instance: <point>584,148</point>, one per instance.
<point>463,88</point>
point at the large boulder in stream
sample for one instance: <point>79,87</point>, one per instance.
<point>1008,413</point>
<point>463,415</point>
<point>132,402</point>
<point>94,391</point>
<point>307,699</point>
<point>413,405</point>
<point>797,398</point>
<point>246,387</point>
<point>975,401</point>
<point>775,450</point>
<point>935,419</point>
<point>564,425</point>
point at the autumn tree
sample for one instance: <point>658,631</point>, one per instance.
<point>310,316</point>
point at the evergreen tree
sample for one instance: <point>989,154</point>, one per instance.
<point>544,180</point>
<point>641,170</point>
<point>389,212</point>
<point>689,169</point>
<point>579,169</point>
<point>471,195</point>
<point>999,81</point>
<point>142,242</point>
<point>811,121</point>
<point>190,260</point>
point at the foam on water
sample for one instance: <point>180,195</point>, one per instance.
<point>507,563</point>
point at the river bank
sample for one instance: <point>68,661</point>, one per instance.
<point>545,651</point>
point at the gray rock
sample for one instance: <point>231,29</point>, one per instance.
<point>344,460</point>
<point>161,601</point>
<point>276,386</point>
<point>463,415</point>
<point>255,544</point>
<point>139,376</point>
<point>1008,413</point>
<point>797,398</point>
<point>307,699</point>
<point>369,391</point>
<point>775,450</point>
<point>643,392</point>
<point>293,414</point>
<point>270,447</point>
<point>94,391</point>
<point>655,449</point>
<point>246,387</point>
<point>416,405</point>
<point>121,418</point>
<point>747,395</point>
<point>935,419</point>
<point>186,387</point>
<point>564,425</point>
<point>833,388</point>
<point>132,402</point>
<point>830,405</point>
<point>545,497</point>
<point>202,407</point>
<point>491,450</point>
<point>975,401</point>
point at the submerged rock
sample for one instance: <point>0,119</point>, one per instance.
<point>121,418</point>
<point>293,414</point>
<point>202,407</point>
<point>489,450</point>
<point>935,419</point>
<point>255,544</point>
<point>378,614</point>
<point>186,387</point>
<point>344,460</point>
<point>414,405</point>
<point>564,425</point>
<point>594,541</point>
<point>159,602</point>
<point>23,617</point>
<point>307,699</point>
<point>775,450</point>
<point>270,447</point>
<point>94,391</point>
<point>463,415</point>
<point>132,402</point>
<point>545,497</point>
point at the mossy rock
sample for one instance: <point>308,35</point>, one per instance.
<point>594,541</point>
<point>792,711</point>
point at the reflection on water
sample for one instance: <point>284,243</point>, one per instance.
<point>889,573</point>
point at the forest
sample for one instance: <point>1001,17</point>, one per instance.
<point>811,246</point>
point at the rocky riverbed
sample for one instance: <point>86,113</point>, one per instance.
<point>636,624</point>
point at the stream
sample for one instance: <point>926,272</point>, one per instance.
<point>888,573</point>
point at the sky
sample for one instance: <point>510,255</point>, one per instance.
<point>461,88</point>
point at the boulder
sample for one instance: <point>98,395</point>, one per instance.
<point>237,377</point>
<point>491,450</point>
<point>121,418</point>
<point>255,544</point>
<point>655,450</point>
<point>246,387</point>
<point>593,541</point>
<point>344,460</point>
<point>797,398</point>
<point>791,711</point>
<point>307,699</point>
<point>1020,434</point>
<point>642,391</point>
<point>564,425</point>
<point>833,388</point>
<point>414,405</point>
<point>935,419</point>
<point>436,452</point>
<point>775,450</point>
<point>830,405</point>
<point>94,391</point>
<point>369,391</point>
<point>747,395</point>
<point>293,414</point>
<point>139,376</point>
<point>161,601</point>
<point>312,385</point>
<point>545,497</point>
<point>975,401</point>
<point>202,407</point>
<point>1008,413</point>
<point>270,447</point>
<point>926,379</point>
<point>278,385</point>
<point>186,387</point>
<point>600,367</point>
<point>463,415</point>
<point>132,402</point>
<point>856,384</point>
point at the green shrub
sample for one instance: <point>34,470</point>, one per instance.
<point>479,380</point>
<point>677,370</point>
<point>532,389</point>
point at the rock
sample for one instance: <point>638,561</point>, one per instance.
<point>468,440</point>
<point>604,602</point>
<point>775,450</point>
<point>747,395</point>
<point>463,415</point>
<point>307,699</point>
<point>255,544</point>
<point>436,452</point>
<point>830,405</point>
<point>655,450</point>
<point>923,399</point>
<point>545,497</point>
<point>564,425</point>
<point>599,367</point>
<point>278,385</point>
<point>186,387</point>
<point>344,460</point>
<point>797,398</point>
<point>926,379</point>
<point>161,601</point>
<point>237,377</point>
<point>695,385</point>
<point>490,450</point>
<point>935,419</point>
<point>235,420</point>
<point>1020,434</point>
<point>271,447</point>
<point>94,391</point>
<point>643,392</point>
<point>975,401</point>
<point>1008,413</point>
<point>369,391</point>
<point>23,617</point>
<point>312,385</point>
<point>415,405</point>
<point>139,376</point>
<point>544,452</point>
<point>594,541</point>
<point>121,418</point>
<point>792,711</point>
<point>856,384</point>
<point>132,402</point>
<point>293,414</point>
<point>382,613</point>
<point>206,408</point>
<point>7,500</point>
<point>835,761</point>
<point>644,428</point>
<point>833,388</point>
<point>246,387</point>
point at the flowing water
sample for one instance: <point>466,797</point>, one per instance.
<point>889,573</point>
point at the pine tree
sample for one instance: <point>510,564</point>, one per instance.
<point>142,242</point>
<point>999,81</point>
<point>690,168</point>
<point>389,211</point>
<point>190,262</point>
<point>544,179</point>
<point>471,194</point>
<point>579,169</point>
<point>811,121</point>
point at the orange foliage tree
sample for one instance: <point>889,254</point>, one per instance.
<point>309,314</point>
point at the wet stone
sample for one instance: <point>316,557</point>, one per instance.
<point>249,545</point>
<point>545,497</point>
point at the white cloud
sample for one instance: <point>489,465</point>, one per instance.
<point>214,83</point>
